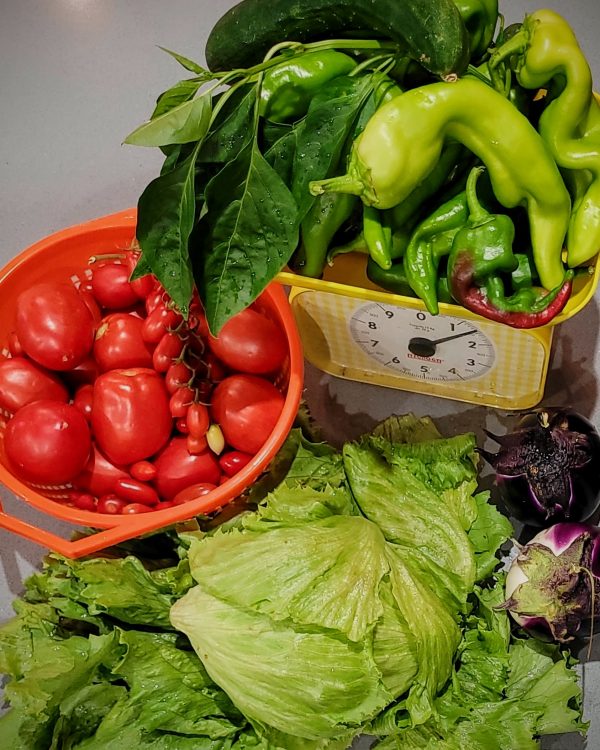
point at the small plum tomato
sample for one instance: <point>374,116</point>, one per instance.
<point>193,491</point>
<point>158,322</point>
<point>197,419</point>
<point>143,471</point>
<point>134,508</point>
<point>233,461</point>
<point>136,492</point>
<point>110,504</point>
<point>167,351</point>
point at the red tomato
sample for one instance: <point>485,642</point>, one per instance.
<point>54,325</point>
<point>83,501</point>
<point>192,492</point>
<point>110,504</point>
<point>143,471</point>
<point>160,321</point>
<point>233,461</point>
<point>47,442</point>
<point>144,285</point>
<point>155,299</point>
<point>250,342</point>
<point>197,420</point>
<point>180,402</point>
<point>134,508</point>
<point>22,381</point>
<point>178,469</point>
<point>167,350</point>
<point>196,444</point>
<point>130,414</point>
<point>99,474</point>
<point>119,343</point>
<point>136,492</point>
<point>111,287</point>
<point>82,400</point>
<point>247,408</point>
<point>179,375</point>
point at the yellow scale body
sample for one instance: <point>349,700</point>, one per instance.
<point>353,329</point>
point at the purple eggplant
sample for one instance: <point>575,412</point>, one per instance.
<point>548,468</point>
<point>553,584</point>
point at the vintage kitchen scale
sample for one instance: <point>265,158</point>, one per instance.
<point>355,330</point>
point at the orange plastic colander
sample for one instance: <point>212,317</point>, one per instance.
<point>64,256</point>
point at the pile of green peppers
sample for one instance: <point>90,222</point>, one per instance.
<point>483,191</point>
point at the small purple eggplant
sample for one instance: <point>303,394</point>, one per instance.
<point>553,585</point>
<point>548,469</point>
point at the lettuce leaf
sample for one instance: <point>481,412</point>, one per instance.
<point>411,515</point>
<point>504,693</point>
<point>52,669</point>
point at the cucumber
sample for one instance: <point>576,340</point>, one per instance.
<point>431,31</point>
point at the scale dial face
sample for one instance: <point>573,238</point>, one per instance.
<point>418,345</point>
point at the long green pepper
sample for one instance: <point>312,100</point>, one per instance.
<point>431,240</point>
<point>287,88</point>
<point>404,139</point>
<point>480,18</point>
<point>545,54</point>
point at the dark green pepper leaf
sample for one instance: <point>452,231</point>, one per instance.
<point>232,128</point>
<point>142,268</point>
<point>282,153</point>
<point>188,64</point>
<point>185,123</point>
<point>166,217</point>
<point>181,92</point>
<point>321,137</point>
<point>253,230</point>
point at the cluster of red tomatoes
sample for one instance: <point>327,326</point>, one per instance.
<point>108,393</point>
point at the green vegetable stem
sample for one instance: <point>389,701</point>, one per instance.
<point>481,252</point>
<point>414,128</point>
<point>545,54</point>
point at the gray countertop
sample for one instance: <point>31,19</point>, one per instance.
<point>76,76</point>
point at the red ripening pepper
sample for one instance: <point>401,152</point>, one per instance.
<point>481,252</point>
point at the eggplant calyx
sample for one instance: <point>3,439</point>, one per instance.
<point>558,589</point>
<point>545,453</point>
